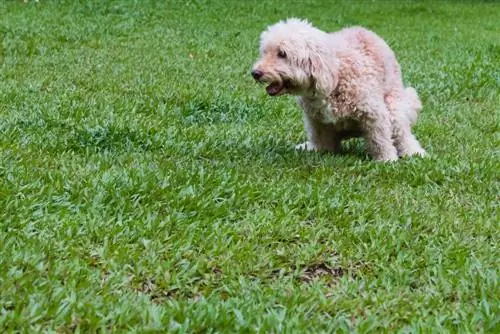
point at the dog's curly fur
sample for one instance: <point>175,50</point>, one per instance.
<point>349,85</point>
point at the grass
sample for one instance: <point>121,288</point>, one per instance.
<point>147,184</point>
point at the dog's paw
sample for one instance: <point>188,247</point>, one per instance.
<point>387,156</point>
<point>420,152</point>
<point>305,146</point>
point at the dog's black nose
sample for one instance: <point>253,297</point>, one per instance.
<point>256,74</point>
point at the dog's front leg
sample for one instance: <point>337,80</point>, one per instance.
<point>321,136</point>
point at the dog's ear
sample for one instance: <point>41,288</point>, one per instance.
<point>323,74</point>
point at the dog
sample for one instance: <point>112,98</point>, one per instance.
<point>348,83</point>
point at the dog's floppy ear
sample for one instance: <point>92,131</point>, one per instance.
<point>323,74</point>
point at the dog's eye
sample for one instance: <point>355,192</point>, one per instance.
<point>281,54</point>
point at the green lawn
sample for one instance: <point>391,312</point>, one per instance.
<point>147,183</point>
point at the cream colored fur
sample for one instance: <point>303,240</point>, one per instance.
<point>348,84</point>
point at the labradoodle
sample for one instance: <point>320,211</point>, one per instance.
<point>348,84</point>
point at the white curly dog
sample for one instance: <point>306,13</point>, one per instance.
<point>349,85</point>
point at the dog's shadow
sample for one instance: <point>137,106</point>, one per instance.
<point>283,153</point>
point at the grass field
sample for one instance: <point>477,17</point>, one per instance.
<point>148,184</point>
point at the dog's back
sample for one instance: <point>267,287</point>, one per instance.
<point>374,54</point>
<point>377,57</point>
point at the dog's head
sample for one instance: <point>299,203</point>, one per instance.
<point>293,59</point>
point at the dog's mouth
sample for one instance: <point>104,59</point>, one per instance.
<point>277,88</point>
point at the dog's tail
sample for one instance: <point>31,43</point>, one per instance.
<point>414,104</point>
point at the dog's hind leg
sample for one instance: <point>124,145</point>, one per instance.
<point>404,140</point>
<point>378,130</point>
<point>404,108</point>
